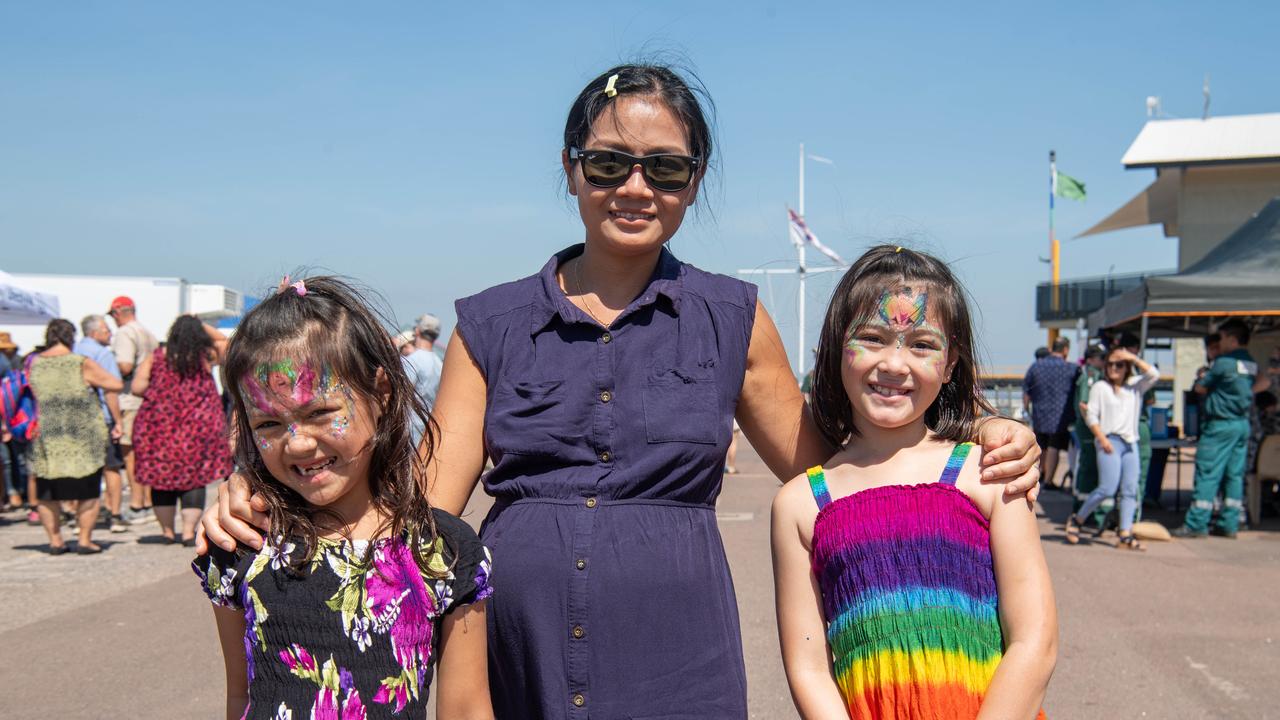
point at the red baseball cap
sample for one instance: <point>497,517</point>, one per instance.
<point>121,301</point>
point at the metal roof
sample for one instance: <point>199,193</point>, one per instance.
<point>1219,140</point>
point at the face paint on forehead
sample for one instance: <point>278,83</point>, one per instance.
<point>288,382</point>
<point>903,310</point>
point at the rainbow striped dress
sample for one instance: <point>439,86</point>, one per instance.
<point>909,595</point>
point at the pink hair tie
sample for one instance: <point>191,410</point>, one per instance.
<point>298,287</point>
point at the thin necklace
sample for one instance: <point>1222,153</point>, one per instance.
<point>577,280</point>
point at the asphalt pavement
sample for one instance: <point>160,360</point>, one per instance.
<point>1189,629</point>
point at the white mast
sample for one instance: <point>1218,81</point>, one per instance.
<point>801,270</point>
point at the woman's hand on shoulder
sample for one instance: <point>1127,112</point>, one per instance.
<point>237,516</point>
<point>1010,456</point>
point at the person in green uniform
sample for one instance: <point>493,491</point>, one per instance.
<point>1228,389</point>
<point>1085,478</point>
<point>1130,342</point>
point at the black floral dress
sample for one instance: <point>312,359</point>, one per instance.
<point>354,635</point>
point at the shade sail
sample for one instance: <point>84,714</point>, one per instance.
<point>1239,277</point>
<point>23,306</point>
<point>1157,204</point>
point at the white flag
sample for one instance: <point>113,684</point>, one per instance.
<point>802,235</point>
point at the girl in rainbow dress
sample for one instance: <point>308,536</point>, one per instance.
<point>906,588</point>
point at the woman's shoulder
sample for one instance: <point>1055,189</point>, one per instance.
<point>715,287</point>
<point>499,299</point>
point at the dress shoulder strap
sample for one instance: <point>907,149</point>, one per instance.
<point>818,484</point>
<point>951,472</point>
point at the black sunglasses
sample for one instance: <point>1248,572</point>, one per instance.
<point>610,168</point>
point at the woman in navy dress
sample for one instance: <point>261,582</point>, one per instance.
<point>604,389</point>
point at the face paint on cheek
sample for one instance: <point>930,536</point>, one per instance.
<point>339,426</point>
<point>263,443</point>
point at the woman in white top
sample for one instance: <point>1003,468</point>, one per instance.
<point>1114,408</point>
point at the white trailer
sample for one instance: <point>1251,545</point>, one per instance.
<point>159,301</point>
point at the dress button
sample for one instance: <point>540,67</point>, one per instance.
<point>591,502</point>
<point>606,338</point>
<point>578,700</point>
<point>578,632</point>
<point>581,564</point>
<point>606,396</point>
<point>605,456</point>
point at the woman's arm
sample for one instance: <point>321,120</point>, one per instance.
<point>463,674</point>
<point>771,410</point>
<point>97,376</point>
<point>231,629</point>
<point>142,377</point>
<point>1028,614</point>
<point>1093,418</point>
<point>219,343</point>
<point>801,628</point>
<point>458,459</point>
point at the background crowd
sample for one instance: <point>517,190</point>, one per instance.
<point>1229,415</point>
<point>116,415</point>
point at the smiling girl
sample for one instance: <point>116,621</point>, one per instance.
<point>905,587</point>
<point>363,586</point>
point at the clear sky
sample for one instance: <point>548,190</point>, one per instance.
<point>415,146</point>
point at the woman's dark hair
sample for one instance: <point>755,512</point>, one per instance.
<point>60,331</point>
<point>333,326</point>
<point>187,347</point>
<point>886,268</point>
<point>685,99</point>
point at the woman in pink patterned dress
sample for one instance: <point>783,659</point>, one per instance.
<point>180,436</point>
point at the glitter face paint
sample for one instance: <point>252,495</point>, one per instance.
<point>901,312</point>
<point>280,388</point>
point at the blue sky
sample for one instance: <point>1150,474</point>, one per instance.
<point>415,146</point>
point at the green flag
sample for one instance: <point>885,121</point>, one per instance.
<point>1069,187</point>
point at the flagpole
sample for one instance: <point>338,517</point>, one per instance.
<point>1053,241</point>
<point>801,271</point>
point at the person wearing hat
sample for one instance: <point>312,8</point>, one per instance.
<point>132,344</point>
<point>423,365</point>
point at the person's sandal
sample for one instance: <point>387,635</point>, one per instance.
<point>1129,542</point>
<point>1072,530</point>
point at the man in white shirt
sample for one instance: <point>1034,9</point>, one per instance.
<point>132,344</point>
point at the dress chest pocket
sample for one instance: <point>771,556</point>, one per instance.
<point>681,406</point>
<point>533,417</point>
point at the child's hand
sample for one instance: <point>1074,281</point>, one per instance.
<point>236,517</point>
<point>1010,455</point>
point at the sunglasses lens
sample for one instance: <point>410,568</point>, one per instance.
<point>668,172</point>
<point>605,169</point>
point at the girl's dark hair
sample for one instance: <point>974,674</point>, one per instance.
<point>685,99</point>
<point>60,331</point>
<point>333,325</point>
<point>886,268</point>
<point>187,347</point>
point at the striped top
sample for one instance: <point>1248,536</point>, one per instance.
<point>909,595</point>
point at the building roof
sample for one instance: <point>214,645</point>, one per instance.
<point>1228,139</point>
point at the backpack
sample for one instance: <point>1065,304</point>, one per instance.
<point>18,405</point>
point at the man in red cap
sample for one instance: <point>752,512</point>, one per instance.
<point>132,344</point>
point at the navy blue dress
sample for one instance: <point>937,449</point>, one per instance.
<point>615,599</point>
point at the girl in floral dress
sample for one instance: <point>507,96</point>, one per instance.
<point>363,587</point>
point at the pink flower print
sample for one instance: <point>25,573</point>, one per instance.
<point>300,662</point>
<point>393,689</point>
<point>396,589</point>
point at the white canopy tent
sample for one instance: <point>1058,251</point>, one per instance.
<point>22,306</point>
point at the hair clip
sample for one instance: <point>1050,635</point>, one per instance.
<point>609,89</point>
<point>898,250</point>
<point>298,287</point>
